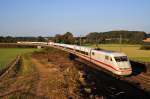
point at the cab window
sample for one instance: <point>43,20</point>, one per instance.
<point>107,57</point>
<point>121,58</point>
<point>93,53</point>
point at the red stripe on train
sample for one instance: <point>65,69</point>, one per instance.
<point>103,63</point>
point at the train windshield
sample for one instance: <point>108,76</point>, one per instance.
<point>121,58</point>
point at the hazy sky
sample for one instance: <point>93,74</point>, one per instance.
<point>48,17</point>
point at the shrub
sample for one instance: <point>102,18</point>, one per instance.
<point>145,47</point>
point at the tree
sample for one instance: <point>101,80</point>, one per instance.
<point>58,38</point>
<point>40,39</point>
<point>68,38</point>
<point>95,37</point>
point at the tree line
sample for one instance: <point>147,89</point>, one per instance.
<point>10,39</point>
<point>127,37</point>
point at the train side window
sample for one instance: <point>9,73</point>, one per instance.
<point>110,59</point>
<point>77,50</point>
<point>107,57</point>
<point>93,53</point>
<point>82,52</point>
<point>86,53</point>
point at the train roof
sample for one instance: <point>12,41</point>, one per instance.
<point>108,52</point>
<point>98,50</point>
<point>113,53</point>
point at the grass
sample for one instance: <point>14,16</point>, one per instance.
<point>26,78</point>
<point>27,65</point>
<point>8,54</point>
<point>133,51</point>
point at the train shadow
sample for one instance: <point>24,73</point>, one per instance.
<point>104,84</point>
<point>138,68</point>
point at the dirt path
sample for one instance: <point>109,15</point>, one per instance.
<point>50,80</point>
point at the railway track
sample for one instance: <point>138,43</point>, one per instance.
<point>142,81</point>
<point>113,88</point>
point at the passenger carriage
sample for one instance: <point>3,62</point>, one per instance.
<point>116,62</point>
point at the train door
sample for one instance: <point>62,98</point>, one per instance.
<point>108,60</point>
<point>90,54</point>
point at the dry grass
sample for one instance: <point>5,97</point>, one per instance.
<point>38,78</point>
<point>20,83</point>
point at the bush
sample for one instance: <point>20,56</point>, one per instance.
<point>145,47</point>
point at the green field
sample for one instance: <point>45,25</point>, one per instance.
<point>133,51</point>
<point>8,54</point>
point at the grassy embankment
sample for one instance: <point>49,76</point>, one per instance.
<point>25,77</point>
<point>38,77</point>
<point>133,51</point>
<point>8,54</point>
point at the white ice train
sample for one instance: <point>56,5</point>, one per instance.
<point>36,43</point>
<point>115,62</point>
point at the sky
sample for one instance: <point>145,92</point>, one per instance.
<point>50,17</point>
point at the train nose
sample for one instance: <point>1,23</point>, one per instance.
<point>124,71</point>
<point>124,68</point>
<point>123,65</point>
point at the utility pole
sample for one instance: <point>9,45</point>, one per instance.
<point>97,42</point>
<point>80,40</point>
<point>120,42</point>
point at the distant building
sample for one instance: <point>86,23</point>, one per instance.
<point>147,40</point>
<point>39,47</point>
